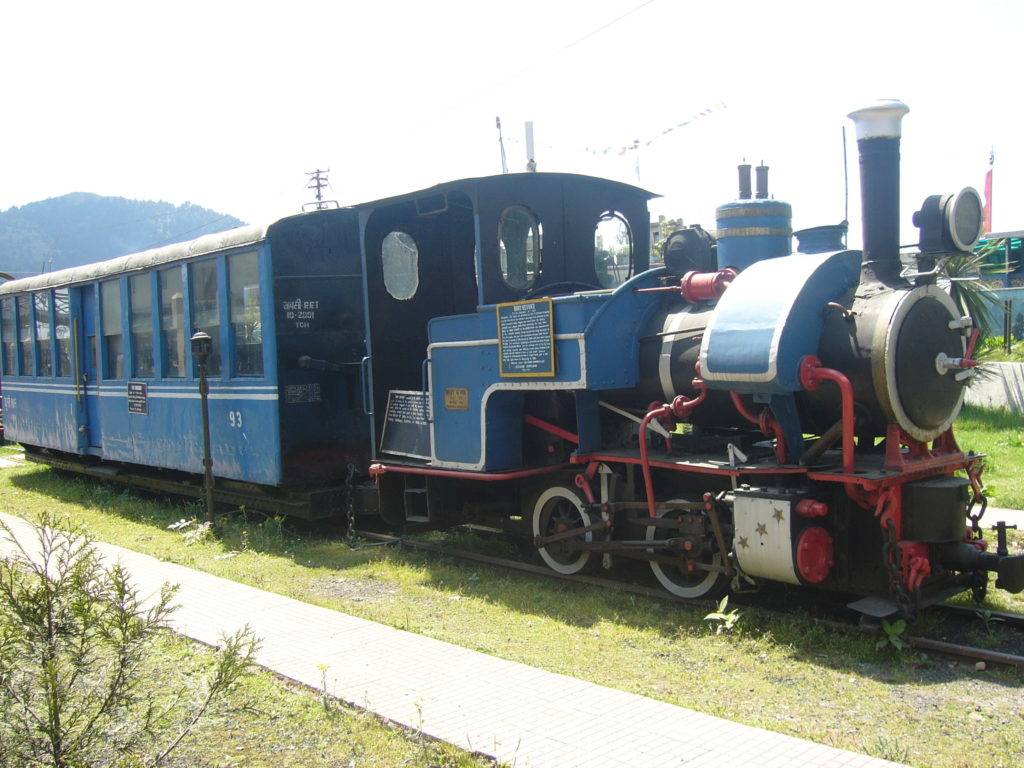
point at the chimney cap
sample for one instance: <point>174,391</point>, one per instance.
<point>880,120</point>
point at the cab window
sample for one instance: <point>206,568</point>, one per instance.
<point>613,249</point>
<point>519,247</point>
<point>400,259</point>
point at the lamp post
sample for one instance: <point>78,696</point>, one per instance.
<point>202,345</point>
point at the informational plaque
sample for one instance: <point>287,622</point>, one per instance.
<point>407,424</point>
<point>526,339</point>
<point>138,399</point>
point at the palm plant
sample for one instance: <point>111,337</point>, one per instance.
<point>963,276</point>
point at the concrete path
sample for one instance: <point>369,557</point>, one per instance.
<point>994,514</point>
<point>12,460</point>
<point>523,716</point>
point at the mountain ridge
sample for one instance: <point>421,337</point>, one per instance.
<point>82,227</point>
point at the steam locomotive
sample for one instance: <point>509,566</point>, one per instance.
<point>498,351</point>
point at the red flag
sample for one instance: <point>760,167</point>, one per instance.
<point>987,214</point>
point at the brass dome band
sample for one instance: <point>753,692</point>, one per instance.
<point>755,232</point>
<point>781,209</point>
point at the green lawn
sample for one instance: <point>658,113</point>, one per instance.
<point>1000,435</point>
<point>7,449</point>
<point>785,673</point>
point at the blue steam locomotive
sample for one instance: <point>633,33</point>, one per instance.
<point>498,351</point>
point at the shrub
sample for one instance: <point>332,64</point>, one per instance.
<point>74,638</point>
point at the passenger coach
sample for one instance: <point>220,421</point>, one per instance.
<point>98,371</point>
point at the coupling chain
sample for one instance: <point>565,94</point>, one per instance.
<point>350,504</point>
<point>977,497</point>
<point>906,601</point>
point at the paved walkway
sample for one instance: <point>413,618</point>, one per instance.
<point>994,514</point>
<point>12,460</point>
<point>524,716</point>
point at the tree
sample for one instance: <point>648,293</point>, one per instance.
<point>74,636</point>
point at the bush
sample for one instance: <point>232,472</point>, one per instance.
<point>74,637</point>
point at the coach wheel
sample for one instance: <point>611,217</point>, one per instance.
<point>681,582</point>
<point>560,509</point>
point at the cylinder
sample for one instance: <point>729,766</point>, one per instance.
<point>752,230</point>
<point>828,237</point>
<point>761,192</point>
<point>878,144</point>
<point>744,171</point>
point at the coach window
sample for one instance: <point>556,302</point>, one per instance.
<point>246,329</point>
<point>613,249</point>
<point>62,330</point>
<point>25,336</point>
<point>205,309</point>
<point>519,247</point>
<point>400,257</point>
<point>10,347</point>
<point>42,302</point>
<point>172,322</point>
<point>140,295</point>
<point>110,300</point>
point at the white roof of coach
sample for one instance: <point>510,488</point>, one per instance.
<point>135,262</point>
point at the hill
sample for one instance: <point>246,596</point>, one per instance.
<point>81,227</point>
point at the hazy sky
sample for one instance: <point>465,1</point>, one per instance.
<point>227,104</point>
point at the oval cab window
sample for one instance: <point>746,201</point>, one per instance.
<point>613,249</point>
<point>519,244</point>
<point>401,261</point>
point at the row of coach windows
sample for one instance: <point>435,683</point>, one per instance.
<point>18,338</point>
<point>16,333</point>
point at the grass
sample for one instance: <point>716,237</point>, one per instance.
<point>785,673</point>
<point>269,723</point>
<point>8,449</point>
<point>1000,435</point>
<point>992,351</point>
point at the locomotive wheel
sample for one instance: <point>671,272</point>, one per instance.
<point>690,585</point>
<point>560,509</point>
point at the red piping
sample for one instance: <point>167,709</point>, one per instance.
<point>645,465</point>
<point>378,469</point>
<point>680,408</point>
<point>565,434</point>
<point>812,374</point>
<point>766,423</point>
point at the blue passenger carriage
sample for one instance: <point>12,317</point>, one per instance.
<point>99,377</point>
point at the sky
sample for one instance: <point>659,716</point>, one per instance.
<point>228,104</point>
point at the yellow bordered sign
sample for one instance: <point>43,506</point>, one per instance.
<point>526,338</point>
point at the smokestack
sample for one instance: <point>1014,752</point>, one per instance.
<point>878,142</point>
<point>744,170</point>
<point>762,181</point>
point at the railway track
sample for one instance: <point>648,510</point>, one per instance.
<point>930,645</point>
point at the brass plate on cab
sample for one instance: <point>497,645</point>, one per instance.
<point>456,399</point>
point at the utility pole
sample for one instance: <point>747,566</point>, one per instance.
<point>318,181</point>
<point>501,143</point>
<point>531,158</point>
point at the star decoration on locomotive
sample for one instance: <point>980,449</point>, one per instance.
<point>779,515</point>
<point>762,529</point>
<point>742,541</point>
